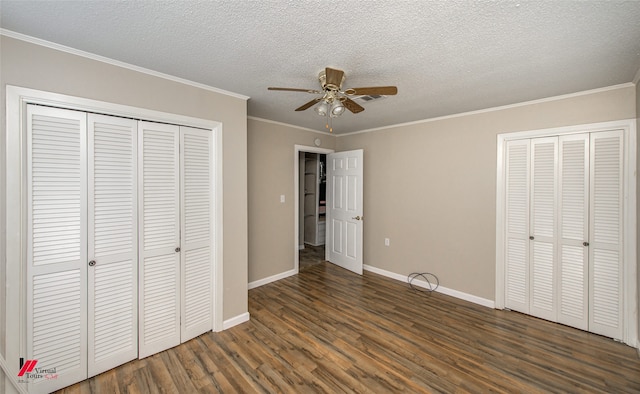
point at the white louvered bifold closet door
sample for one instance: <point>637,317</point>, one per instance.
<point>572,272</point>
<point>544,154</point>
<point>517,226</point>
<point>605,276</point>
<point>196,152</point>
<point>159,237</point>
<point>573,216</point>
<point>57,246</point>
<point>113,246</point>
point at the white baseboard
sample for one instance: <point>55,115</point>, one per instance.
<point>234,321</point>
<point>440,289</point>
<point>261,282</point>
<point>300,247</point>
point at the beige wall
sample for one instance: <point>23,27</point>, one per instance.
<point>271,223</point>
<point>431,187</point>
<point>32,66</point>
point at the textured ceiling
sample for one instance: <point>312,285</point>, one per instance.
<point>446,57</point>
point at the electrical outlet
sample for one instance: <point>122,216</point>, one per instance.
<point>282,198</point>
<point>387,242</point>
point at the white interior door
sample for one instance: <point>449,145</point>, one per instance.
<point>606,269</point>
<point>573,216</point>
<point>544,158</point>
<point>56,246</point>
<point>196,159</point>
<point>344,213</point>
<point>113,242</point>
<point>159,237</point>
<point>517,226</point>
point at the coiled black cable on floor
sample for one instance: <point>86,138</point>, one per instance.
<point>425,276</point>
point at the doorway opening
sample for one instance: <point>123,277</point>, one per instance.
<point>311,202</point>
<point>313,209</point>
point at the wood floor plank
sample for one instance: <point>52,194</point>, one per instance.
<point>240,380</point>
<point>327,330</point>
<point>195,370</point>
<point>161,373</point>
<point>218,382</point>
<point>145,382</point>
<point>126,379</point>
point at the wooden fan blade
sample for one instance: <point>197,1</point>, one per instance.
<point>309,104</point>
<point>297,90</point>
<point>375,90</point>
<point>352,105</point>
<point>334,77</point>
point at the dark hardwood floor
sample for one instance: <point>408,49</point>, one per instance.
<point>329,330</point>
<point>310,256</point>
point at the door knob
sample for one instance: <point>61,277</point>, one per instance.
<point>177,249</point>
<point>92,263</point>
<point>358,217</point>
<point>585,243</point>
<point>531,237</point>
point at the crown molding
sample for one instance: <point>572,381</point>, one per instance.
<point>92,56</point>
<point>493,109</point>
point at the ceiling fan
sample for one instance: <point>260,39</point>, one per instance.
<point>334,100</point>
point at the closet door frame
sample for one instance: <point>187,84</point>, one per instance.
<point>17,99</point>
<point>628,127</point>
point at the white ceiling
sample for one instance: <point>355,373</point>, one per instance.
<point>446,57</point>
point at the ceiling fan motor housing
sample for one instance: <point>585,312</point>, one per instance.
<point>322,77</point>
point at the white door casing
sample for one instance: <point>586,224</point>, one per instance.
<point>345,213</point>
<point>159,237</point>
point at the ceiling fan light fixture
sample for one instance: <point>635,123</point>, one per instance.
<point>322,109</point>
<point>337,109</point>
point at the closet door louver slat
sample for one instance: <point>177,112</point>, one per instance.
<point>56,249</point>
